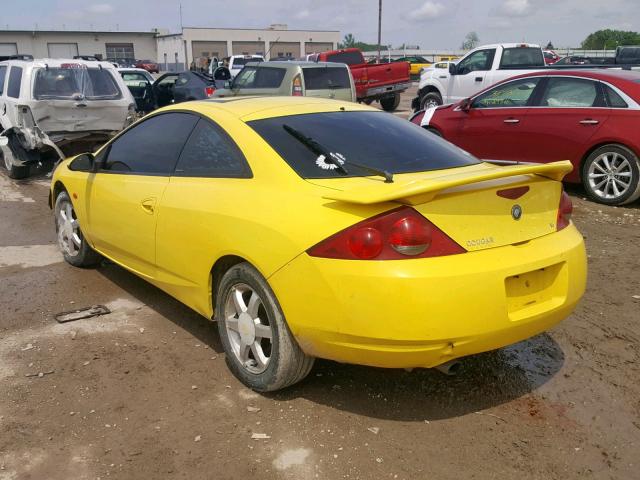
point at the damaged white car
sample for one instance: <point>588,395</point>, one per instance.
<point>53,108</point>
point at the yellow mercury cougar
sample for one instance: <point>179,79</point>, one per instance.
<point>317,228</point>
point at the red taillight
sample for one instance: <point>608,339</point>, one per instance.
<point>398,234</point>
<point>564,211</point>
<point>208,91</point>
<point>296,89</point>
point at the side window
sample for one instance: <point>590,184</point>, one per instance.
<point>3,74</point>
<point>210,152</point>
<point>512,94</point>
<point>151,147</point>
<point>477,61</point>
<point>15,78</point>
<point>183,79</point>
<point>571,92</point>
<point>613,99</point>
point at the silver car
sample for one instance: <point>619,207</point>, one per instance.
<point>282,78</point>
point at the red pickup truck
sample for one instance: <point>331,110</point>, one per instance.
<point>383,82</point>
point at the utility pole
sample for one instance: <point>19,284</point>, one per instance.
<point>180,18</point>
<point>379,27</point>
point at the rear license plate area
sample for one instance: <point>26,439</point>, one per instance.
<point>535,290</point>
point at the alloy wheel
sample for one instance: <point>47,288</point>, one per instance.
<point>248,328</point>
<point>69,235</point>
<point>610,175</point>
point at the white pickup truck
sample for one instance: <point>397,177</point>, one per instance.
<point>480,68</point>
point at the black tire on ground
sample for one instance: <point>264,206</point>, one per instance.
<point>390,103</point>
<point>85,256</point>
<point>287,364</point>
<point>14,172</point>
<point>598,180</point>
<point>434,131</point>
<point>429,100</point>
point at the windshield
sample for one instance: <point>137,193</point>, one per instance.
<point>243,61</point>
<point>75,83</point>
<point>374,139</point>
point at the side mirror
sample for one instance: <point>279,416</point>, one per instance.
<point>83,163</point>
<point>465,105</point>
<point>453,68</point>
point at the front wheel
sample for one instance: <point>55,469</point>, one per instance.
<point>259,348</point>
<point>74,247</point>
<point>390,103</point>
<point>611,175</point>
<point>14,171</point>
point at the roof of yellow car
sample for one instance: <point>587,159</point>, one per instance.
<point>255,108</point>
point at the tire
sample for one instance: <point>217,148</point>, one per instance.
<point>269,364</point>
<point>75,250</point>
<point>611,175</point>
<point>14,172</point>
<point>431,99</point>
<point>434,131</point>
<point>390,103</point>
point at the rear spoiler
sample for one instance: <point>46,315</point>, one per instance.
<point>427,188</point>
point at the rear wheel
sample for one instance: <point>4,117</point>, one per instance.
<point>611,175</point>
<point>259,348</point>
<point>14,171</point>
<point>74,247</point>
<point>430,100</point>
<point>390,103</point>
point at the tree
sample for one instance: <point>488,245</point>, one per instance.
<point>471,40</point>
<point>348,42</point>
<point>610,39</point>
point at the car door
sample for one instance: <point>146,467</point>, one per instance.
<point>494,125</point>
<point>124,195</point>
<point>163,89</point>
<point>201,197</point>
<point>568,113</point>
<point>469,77</point>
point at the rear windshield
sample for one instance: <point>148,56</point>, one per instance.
<point>66,83</point>
<point>373,139</point>
<point>629,54</point>
<point>259,77</point>
<point>324,78</point>
<point>350,58</point>
<point>521,57</point>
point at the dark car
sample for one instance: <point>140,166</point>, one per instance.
<point>627,55</point>
<point>184,86</point>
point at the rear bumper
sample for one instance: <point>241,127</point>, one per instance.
<point>421,313</point>
<point>387,89</point>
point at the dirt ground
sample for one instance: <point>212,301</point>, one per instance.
<point>144,392</point>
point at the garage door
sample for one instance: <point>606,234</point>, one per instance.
<point>284,49</point>
<point>62,50</point>
<point>7,49</point>
<point>209,49</point>
<point>317,47</point>
<point>248,48</point>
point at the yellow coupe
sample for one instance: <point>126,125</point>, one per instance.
<point>316,228</point>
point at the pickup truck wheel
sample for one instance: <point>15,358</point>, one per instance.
<point>430,100</point>
<point>611,175</point>
<point>74,247</point>
<point>390,103</point>
<point>259,347</point>
<point>14,171</point>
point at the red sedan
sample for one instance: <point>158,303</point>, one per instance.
<point>591,117</point>
<point>148,65</point>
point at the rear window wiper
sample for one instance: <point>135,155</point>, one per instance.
<point>322,151</point>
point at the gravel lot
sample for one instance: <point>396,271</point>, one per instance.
<point>144,391</point>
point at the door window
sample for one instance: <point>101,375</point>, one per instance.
<point>3,73</point>
<point>613,99</point>
<point>477,61</point>
<point>210,152</point>
<point>571,92</point>
<point>151,147</point>
<point>507,95</point>
<point>15,79</point>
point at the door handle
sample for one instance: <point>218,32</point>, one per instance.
<point>148,205</point>
<point>511,120</point>
<point>588,121</point>
<point>478,79</point>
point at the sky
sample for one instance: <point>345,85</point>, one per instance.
<point>431,24</point>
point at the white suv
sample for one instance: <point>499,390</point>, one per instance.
<point>54,104</point>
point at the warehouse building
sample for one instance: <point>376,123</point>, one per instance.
<point>180,49</point>
<point>67,44</point>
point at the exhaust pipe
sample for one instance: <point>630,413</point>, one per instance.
<point>451,368</point>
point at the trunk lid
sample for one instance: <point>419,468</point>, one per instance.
<point>480,206</point>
